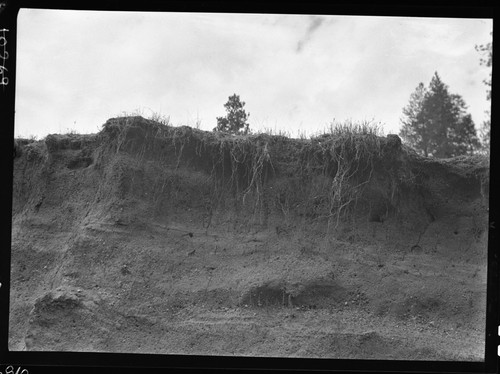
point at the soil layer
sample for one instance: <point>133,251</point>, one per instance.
<point>151,239</point>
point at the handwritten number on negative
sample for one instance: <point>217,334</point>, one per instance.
<point>10,370</point>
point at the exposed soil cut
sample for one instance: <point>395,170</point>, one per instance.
<point>153,239</point>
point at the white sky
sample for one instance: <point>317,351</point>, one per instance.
<point>76,69</point>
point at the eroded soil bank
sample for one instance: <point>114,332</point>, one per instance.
<point>147,238</point>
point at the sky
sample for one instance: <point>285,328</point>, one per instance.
<point>295,73</point>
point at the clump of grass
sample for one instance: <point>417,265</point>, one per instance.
<point>161,119</point>
<point>157,117</point>
<point>353,128</point>
<point>275,132</point>
<point>346,152</point>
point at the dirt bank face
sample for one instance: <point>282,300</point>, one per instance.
<point>146,238</point>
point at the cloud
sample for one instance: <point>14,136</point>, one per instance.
<point>314,23</point>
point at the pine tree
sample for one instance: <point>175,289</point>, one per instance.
<point>435,122</point>
<point>439,113</point>
<point>236,118</point>
<point>414,130</point>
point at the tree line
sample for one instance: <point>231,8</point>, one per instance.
<point>435,122</point>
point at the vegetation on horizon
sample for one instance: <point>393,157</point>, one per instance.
<point>435,122</point>
<point>485,131</point>
<point>235,121</point>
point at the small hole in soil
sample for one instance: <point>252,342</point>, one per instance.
<point>80,163</point>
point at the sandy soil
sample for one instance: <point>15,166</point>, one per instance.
<point>120,289</point>
<point>91,272</point>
